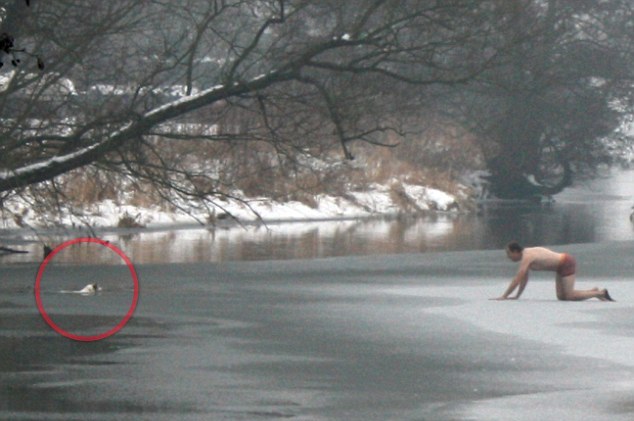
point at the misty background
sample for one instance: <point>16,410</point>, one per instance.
<point>184,104</point>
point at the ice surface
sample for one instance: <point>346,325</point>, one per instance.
<point>538,316</point>
<point>596,331</point>
<point>409,336</point>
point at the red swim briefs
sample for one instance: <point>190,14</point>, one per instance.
<point>567,265</point>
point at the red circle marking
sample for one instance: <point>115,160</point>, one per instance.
<point>86,338</point>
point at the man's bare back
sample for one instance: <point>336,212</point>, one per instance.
<point>541,258</point>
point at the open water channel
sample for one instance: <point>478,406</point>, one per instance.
<point>590,212</point>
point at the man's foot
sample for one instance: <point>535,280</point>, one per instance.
<point>602,296</point>
<point>606,296</point>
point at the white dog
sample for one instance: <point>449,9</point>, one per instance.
<point>89,289</point>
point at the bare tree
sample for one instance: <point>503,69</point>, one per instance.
<point>544,110</point>
<point>12,16</point>
<point>129,82</point>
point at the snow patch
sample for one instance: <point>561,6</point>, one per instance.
<point>375,201</point>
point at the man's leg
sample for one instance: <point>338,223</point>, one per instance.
<point>566,290</point>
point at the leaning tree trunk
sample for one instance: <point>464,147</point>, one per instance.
<point>509,182</point>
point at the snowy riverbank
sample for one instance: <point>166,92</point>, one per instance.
<point>376,201</point>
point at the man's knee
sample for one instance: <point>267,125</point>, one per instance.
<point>562,296</point>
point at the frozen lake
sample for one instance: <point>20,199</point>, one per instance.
<point>409,336</point>
<point>312,327</point>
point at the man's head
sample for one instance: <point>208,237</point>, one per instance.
<point>514,251</point>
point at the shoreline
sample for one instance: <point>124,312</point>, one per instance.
<point>377,200</point>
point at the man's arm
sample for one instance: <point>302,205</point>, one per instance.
<point>520,279</point>
<point>523,281</point>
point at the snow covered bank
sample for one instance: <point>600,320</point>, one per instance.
<point>378,200</point>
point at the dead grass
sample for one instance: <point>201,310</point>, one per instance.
<point>401,199</point>
<point>436,160</point>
